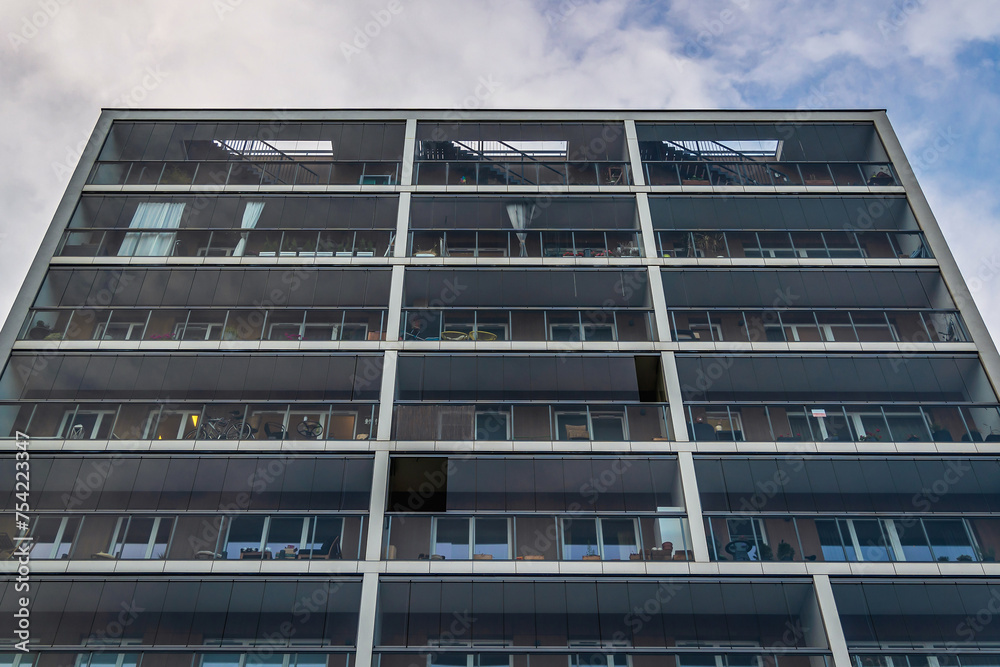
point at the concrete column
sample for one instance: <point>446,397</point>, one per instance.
<point>692,503</point>
<point>674,396</point>
<point>367,620</point>
<point>402,225</point>
<point>376,521</point>
<point>386,395</point>
<point>395,304</point>
<point>645,225</point>
<point>409,151</point>
<point>659,304</point>
<point>638,177</point>
<point>831,620</point>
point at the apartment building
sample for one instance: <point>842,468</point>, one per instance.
<point>414,388</point>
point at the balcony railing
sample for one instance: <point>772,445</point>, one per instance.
<point>532,421</point>
<point>804,326</point>
<point>598,654</point>
<point>869,422</point>
<point>217,658</point>
<point>473,172</point>
<point>135,242</point>
<point>524,324</point>
<point>245,173</point>
<point>795,245</point>
<point>561,537</point>
<point>530,243</point>
<point>103,536</point>
<point>131,324</point>
<point>156,421</point>
<point>759,173</point>
<point>853,538</point>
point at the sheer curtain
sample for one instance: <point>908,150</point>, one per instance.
<point>520,215</point>
<point>251,214</point>
<point>150,215</point>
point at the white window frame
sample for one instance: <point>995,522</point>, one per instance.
<point>72,414</point>
<point>121,530</point>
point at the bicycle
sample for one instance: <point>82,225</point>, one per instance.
<point>222,428</point>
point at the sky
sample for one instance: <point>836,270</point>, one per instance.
<point>933,64</point>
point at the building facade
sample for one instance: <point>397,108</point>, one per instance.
<point>497,389</point>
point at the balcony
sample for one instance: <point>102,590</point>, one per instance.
<point>843,423</point>
<point>524,324</point>
<point>809,326</point>
<point>602,655</point>
<point>250,173</point>
<point>537,537</point>
<point>193,536</point>
<point>792,245</point>
<point>139,242</point>
<point>695,171</point>
<point>173,421</point>
<point>592,421</point>
<point>837,539</point>
<point>548,173</point>
<point>282,325</point>
<point>612,244</point>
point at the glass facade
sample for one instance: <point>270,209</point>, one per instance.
<point>509,389</point>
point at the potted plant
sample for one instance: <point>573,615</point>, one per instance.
<point>785,551</point>
<point>365,248</point>
<point>308,248</point>
<point>711,245</point>
<point>964,558</point>
<point>764,552</point>
<point>634,556</point>
<point>591,554</point>
<point>269,248</point>
<point>940,433</point>
<point>343,250</point>
<point>54,336</point>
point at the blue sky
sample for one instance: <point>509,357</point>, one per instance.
<point>933,64</point>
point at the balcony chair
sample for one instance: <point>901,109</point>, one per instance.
<point>329,551</point>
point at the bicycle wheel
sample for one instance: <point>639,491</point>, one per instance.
<point>197,434</point>
<point>235,432</point>
<point>310,429</point>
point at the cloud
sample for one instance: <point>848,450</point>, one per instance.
<point>906,56</point>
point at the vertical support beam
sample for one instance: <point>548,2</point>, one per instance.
<point>645,225</point>
<point>402,225</point>
<point>409,151</point>
<point>386,395</point>
<point>831,620</point>
<point>367,620</point>
<point>376,506</point>
<point>392,322</point>
<point>632,141</point>
<point>692,504</point>
<point>675,398</point>
<point>659,305</point>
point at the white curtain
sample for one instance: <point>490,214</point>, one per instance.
<point>520,216</point>
<point>152,244</point>
<point>251,214</point>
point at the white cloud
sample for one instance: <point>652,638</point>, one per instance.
<point>559,53</point>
